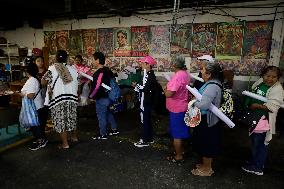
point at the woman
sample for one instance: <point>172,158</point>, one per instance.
<point>206,136</point>
<point>176,102</point>
<point>39,61</point>
<point>32,90</point>
<point>268,86</point>
<point>100,94</point>
<point>62,80</point>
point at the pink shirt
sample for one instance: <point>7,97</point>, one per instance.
<point>178,102</point>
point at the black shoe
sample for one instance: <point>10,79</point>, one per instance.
<point>113,132</point>
<point>100,137</point>
<point>35,146</point>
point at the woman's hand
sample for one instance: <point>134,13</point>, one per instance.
<point>134,84</point>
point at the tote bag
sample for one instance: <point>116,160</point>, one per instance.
<point>28,115</point>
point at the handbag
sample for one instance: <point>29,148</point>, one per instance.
<point>192,117</point>
<point>28,115</point>
<point>250,118</point>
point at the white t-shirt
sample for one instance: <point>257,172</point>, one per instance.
<point>32,86</point>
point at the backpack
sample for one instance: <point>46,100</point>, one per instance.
<point>114,92</point>
<point>227,103</point>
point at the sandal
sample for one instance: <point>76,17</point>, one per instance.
<point>61,147</point>
<point>173,159</point>
<point>202,173</point>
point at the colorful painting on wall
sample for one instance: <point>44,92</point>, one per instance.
<point>122,42</point>
<point>160,41</point>
<point>50,41</point>
<point>113,63</point>
<point>105,41</point>
<point>181,39</point>
<point>229,40</point>
<point>164,64</point>
<point>204,39</point>
<point>62,40</point>
<point>140,40</point>
<point>89,38</point>
<point>257,39</point>
<point>252,67</point>
<point>75,42</point>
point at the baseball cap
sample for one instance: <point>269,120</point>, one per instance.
<point>209,58</point>
<point>148,59</point>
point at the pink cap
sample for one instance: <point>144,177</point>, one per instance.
<point>148,59</point>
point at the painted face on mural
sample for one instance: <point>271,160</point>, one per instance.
<point>121,39</point>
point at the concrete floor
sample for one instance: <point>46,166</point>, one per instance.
<point>116,163</point>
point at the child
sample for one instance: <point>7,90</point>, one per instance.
<point>146,91</point>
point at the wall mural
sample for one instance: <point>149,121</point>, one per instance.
<point>229,40</point>
<point>257,39</point>
<point>123,46</point>
<point>181,40</point>
<point>50,41</point>
<point>89,38</point>
<point>204,39</point>
<point>160,41</point>
<point>62,40</point>
<point>121,42</point>
<point>105,40</point>
<point>75,42</point>
<point>140,40</point>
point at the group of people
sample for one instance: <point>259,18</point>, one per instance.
<point>61,82</point>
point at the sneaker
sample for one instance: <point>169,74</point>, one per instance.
<point>141,143</point>
<point>35,146</point>
<point>43,143</point>
<point>113,132</point>
<point>252,169</point>
<point>100,137</point>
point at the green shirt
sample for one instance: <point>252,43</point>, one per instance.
<point>261,90</point>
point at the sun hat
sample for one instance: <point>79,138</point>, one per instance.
<point>209,58</point>
<point>148,59</point>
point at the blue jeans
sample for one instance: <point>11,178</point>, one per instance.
<point>259,150</point>
<point>104,115</point>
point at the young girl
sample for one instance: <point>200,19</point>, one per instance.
<point>268,86</point>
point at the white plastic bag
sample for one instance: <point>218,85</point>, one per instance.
<point>84,97</point>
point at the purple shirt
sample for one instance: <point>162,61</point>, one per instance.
<point>178,102</point>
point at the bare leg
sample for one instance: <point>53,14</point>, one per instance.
<point>207,164</point>
<point>74,136</point>
<point>178,148</point>
<point>64,140</point>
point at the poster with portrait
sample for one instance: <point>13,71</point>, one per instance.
<point>75,42</point>
<point>140,40</point>
<point>281,62</point>
<point>105,41</point>
<point>122,42</point>
<point>160,41</point>
<point>257,39</point>
<point>89,38</point>
<point>229,40</point>
<point>181,39</point>
<point>62,40</point>
<point>50,41</point>
<point>204,39</point>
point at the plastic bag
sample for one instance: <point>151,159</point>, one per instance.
<point>84,97</point>
<point>28,115</point>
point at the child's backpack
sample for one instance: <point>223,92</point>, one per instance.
<point>227,103</point>
<point>114,92</point>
